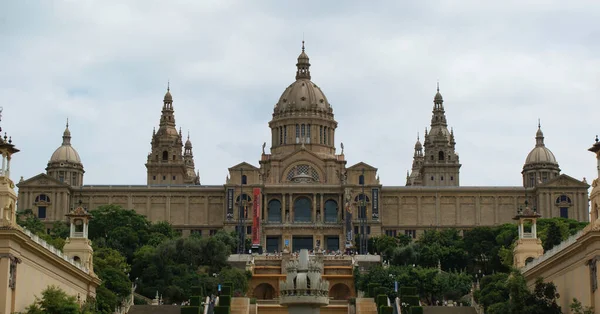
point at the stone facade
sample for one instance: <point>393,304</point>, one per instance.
<point>306,188</point>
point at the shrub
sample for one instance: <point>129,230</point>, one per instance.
<point>252,300</point>
<point>381,301</point>
<point>380,290</point>
<point>371,290</point>
<point>352,301</point>
<point>411,300</point>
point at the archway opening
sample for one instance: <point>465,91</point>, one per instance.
<point>264,291</point>
<point>528,260</point>
<point>339,291</point>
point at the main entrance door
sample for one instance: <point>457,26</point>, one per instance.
<point>302,242</point>
<point>273,244</point>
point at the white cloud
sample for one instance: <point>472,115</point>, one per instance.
<point>104,64</point>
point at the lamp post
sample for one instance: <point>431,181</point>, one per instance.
<point>241,217</point>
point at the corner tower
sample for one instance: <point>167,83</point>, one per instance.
<point>528,246</point>
<point>166,164</point>
<point>441,166</point>
<point>303,117</point>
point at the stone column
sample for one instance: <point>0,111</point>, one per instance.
<point>314,209</point>
<point>322,205</point>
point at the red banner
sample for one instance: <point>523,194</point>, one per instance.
<point>256,217</point>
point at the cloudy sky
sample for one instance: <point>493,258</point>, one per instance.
<point>105,65</point>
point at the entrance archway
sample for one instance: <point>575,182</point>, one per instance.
<point>339,291</point>
<point>264,291</point>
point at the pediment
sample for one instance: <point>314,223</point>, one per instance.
<point>564,180</point>
<point>41,179</point>
<point>244,165</point>
<point>362,165</point>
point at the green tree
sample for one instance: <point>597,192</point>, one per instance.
<point>112,268</point>
<point>553,236</point>
<point>54,301</point>
<point>577,308</point>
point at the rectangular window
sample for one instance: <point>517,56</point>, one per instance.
<point>564,212</point>
<point>368,229</point>
<point>320,134</point>
<point>391,233</point>
<point>42,212</point>
<point>308,134</point>
<point>285,134</point>
<point>197,232</point>
<point>303,130</point>
<point>153,177</point>
<point>356,230</point>
<point>297,133</point>
<point>174,177</point>
<point>74,179</point>
<point>411,233</point>
<point>164,178</point>
<point>212,232</point>
<point>325,135</point>
<point>248,229</point>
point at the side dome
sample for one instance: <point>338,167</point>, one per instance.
<point>540,154</point>
<point>66,152</point>
<point>303,94</point>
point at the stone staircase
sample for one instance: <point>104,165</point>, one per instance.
<point>449,310</point>
<point>240,305</point>
<point>366,306</point>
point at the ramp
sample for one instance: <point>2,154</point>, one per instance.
<point>240,305</point>
<point>449,310</point>
<point>366,306</point>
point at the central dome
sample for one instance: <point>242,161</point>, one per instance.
<point>540,154</point>
<point>66,152</point>
<point>303,94</point>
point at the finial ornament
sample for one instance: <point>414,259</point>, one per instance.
<point>539,123</point>
<point>596,135</point>
<point>303,44</point>
<point>67,122</point>
<point>438,85</point>
<point>168,85</point>
<point>188,135</point>
<point>342,145</point>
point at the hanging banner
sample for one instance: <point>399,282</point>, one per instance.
<point>230,204</point>
<point>256,218</point>
<point>348,217</point>
<point>375,198</point>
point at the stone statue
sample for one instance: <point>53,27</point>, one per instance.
<point>342,145</point>
<point>263,147</point>
<point>12,276</point>
<point>348,199</point>
<point>343,176</point>
<point>593,273</point>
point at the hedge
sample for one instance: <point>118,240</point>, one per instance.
<point>226,290</point>
<point>371,289</point>
<point>222,310</point>
<point>196,301</point>
<point>386,310</point>
<point>381,300</point>
<point>416,310</point>
<point>225,300</point>
<point>380,290</point>
<point>192,310</point>
<point>411,300</point>
<point>406,291</point>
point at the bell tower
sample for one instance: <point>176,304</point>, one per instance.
<point>166,163</point>
<point>528,247</point>
<point>440,164</point>
<point>78,246</point>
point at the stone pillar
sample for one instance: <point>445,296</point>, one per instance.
<point>314,208</point>
<point>322,206</point>
<point>6,299</point>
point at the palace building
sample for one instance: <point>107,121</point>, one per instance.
<point>302,193</point>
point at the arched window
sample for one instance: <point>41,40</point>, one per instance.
<point>325,135</point>
<point>274,211</point>
<point>331,211</point>
<point>303,130</point>
<point>441,156</point>
<point>528,260</point>
<point>302,210</point>
<point>42,198</point>
<point>165,156</point>
<point>244,179</point>
<point>297,133</point>
<point>77,259</point>
<point>361,179</point>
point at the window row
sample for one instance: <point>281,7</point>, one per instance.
<point>394,233</point>
<point>164,178</point>
<point>303,131</point>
